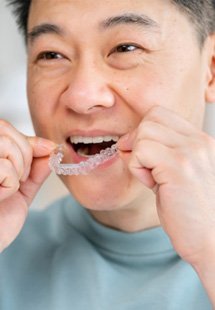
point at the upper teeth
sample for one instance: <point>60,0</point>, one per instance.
<point>87,140</point>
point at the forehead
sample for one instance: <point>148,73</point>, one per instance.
<point>93,10</point>
<point>83,18</point>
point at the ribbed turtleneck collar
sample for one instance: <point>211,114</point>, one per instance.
<point>147,242</point>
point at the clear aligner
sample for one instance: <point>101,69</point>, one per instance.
<point>83,167</point>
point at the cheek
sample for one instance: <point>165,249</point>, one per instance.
<point>44,87</point>
<point>142,91</point>
<point>43,96</point>
<point>176,87</point>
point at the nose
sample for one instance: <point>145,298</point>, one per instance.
<point>88,90</point>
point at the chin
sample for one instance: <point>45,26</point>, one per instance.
<point>93,195</point>
<point>106,194</point>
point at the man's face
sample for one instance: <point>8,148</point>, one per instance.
<point>96,67</point>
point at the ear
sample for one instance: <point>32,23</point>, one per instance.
<point>210,87</point>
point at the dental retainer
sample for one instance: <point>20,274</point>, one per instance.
<point>84,167</point>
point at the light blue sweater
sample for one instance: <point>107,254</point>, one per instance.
<point>63,259</point>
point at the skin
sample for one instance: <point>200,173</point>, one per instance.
<point>152,96</point>
<point>124,88</point>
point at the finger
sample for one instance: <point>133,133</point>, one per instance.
<point>144,175</point>
<point>41,147</point>
<point>170,119</point>
<point>153,131</point>
<point>157,158</point>
<point>150,130</point>
<point>9,181</point>
<point>39,172</point>
<point>8,130</point>
<point>126,142</point>
<point>10,150</point>
<point>30,146</point>
<point>170,130</point>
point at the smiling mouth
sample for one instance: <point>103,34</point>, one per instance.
<point>89,146</point>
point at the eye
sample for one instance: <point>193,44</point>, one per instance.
<point>48,55</point>
<point>125,48</point>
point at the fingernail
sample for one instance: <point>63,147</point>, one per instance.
<point>125,142</point>
<point>46,144</point>
<point>124,138</point>
<point>43,143</point>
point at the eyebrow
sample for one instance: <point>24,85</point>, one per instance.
<point>128,18</point>
<point>41,29</point>
<point>131,18</point>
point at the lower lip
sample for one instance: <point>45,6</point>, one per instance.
<point>77,158</point>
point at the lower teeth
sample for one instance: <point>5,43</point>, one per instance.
<point>89,151</point>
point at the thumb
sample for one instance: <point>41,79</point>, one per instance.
<point>39,167</point>
<point>39,172</point>
<point>125,145</point>
<point>126,142</point>
<point>41,147</point>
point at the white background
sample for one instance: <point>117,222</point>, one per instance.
<point>13,105</point>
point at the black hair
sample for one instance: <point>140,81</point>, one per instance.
<point>200,12</point>
<point>21,10</point>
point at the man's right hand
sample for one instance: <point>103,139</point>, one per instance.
<point>23,169</point>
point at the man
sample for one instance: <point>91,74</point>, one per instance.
<point>140,73</point>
